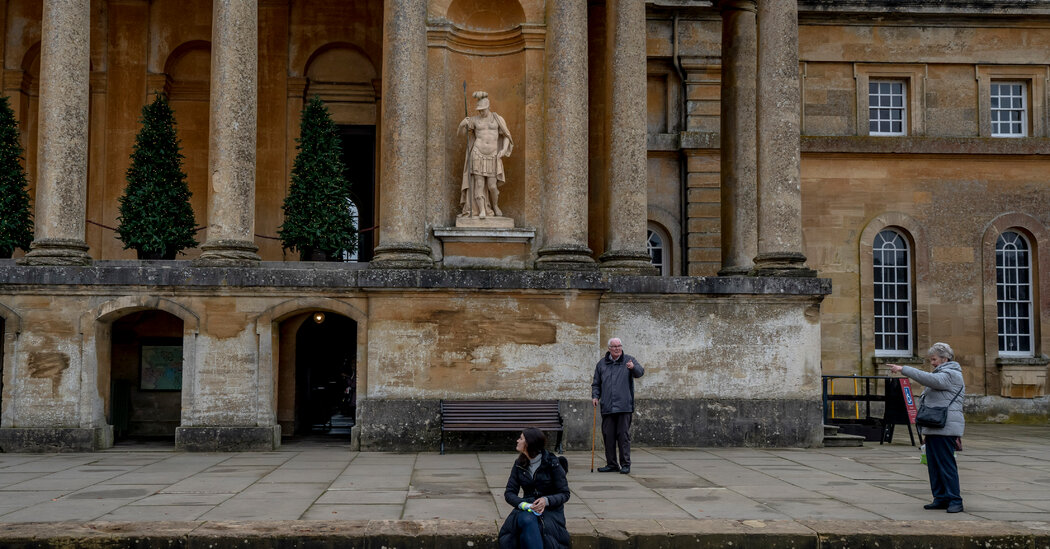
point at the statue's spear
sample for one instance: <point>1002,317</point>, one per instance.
<point>465,112</point>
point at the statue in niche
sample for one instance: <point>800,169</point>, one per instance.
<point>488,142</point>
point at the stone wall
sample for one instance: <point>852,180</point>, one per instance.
<point>729,361</point>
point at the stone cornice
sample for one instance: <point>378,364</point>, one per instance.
<point>183,275</point>
<point>926,145</point>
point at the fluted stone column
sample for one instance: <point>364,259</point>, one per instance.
<point>738,170</point>
<point>402,229</point>
<point>565,153</point>
<point>231,154</point>
<point>779,176</point>
<point>62,142</point>
<point>627,200</point>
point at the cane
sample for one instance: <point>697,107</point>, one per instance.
<point>594,428</point>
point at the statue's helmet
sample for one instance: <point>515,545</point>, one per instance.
<point>483,100</point>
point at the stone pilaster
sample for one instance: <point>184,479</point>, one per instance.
<point>402,228</point>
<point>739,185</point>
<point>231,160</point>
<point>62,142</point>
<point>627,200</point>
<point>565,149</point>
<point>779,176</point>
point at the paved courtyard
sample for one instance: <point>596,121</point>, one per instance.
<point>1005,474</point>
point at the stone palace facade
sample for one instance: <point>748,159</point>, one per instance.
<point>748,193</point>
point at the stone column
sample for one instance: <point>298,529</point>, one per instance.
<point>627,201</point>
<point>565,149</point>
<point>231,153</point>
<point>62,142</point>
<point>738,172</point>
<point>403,173</point>
<point>779,176</point>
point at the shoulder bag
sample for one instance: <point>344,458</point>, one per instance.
<point>934,416</point>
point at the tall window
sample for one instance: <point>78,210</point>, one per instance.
<point>658,253</point>
<point>1009,109</point>
<point>886,108</point>
<point>1013,289</point>
<point>891,260</point>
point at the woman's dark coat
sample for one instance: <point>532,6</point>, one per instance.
<point>549,481</point>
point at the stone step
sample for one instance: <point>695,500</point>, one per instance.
<point>830,430</point>
<point>843,441</point>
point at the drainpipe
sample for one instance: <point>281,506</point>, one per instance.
<point>683,168</point>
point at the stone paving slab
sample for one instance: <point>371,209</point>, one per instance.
<point>1005,474</point>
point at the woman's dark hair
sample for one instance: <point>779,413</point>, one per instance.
<point>535,441</point>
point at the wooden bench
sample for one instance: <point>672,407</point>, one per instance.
<point>500,415</point>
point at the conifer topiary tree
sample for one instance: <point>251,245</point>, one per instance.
<point>16,221</point>
<point>316,213</point>
<point>156,218</point>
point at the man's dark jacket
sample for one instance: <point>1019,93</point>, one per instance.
<point>549,482</point>
<point>613,383</point>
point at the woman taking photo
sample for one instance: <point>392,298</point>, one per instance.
<point>944,388</point>
<point>539,474</point>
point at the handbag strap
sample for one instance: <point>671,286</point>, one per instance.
<point>950,402</point>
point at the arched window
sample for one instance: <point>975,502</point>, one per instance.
<point>891,261</point>
<point>659,250</point>
<point>352,256</point>
<point>1013,289</point>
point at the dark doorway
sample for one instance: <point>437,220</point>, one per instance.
<point>359,156</point>
<point>326,375</point>
<point>145,399</point>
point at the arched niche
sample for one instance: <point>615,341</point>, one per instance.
<point>486,15</point>
<point>345,78</point>
<point>187,82</point>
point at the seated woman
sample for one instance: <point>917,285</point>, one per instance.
<point>540,475</point>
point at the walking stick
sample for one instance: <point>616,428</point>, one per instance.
<point>594,428</point>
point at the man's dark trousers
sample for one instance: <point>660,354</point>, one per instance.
<point>616,432</point>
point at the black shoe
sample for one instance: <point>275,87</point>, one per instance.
<point>625,469</point>
<point>608,469</point>
<point>936,505</point>
<point>955,508</point>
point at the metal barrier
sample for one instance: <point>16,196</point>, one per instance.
<point>871,427</point>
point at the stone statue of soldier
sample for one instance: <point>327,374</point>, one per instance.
<point>488,142</point>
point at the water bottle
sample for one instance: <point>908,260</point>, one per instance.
<point>526,506</point>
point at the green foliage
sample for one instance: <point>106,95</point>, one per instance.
<point>16,221</point>
<point>316,213</point>
<point>156,218</point>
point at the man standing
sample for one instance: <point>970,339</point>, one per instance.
<point>613,385</point>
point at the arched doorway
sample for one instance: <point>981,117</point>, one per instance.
<point>146,361</point>
<point>317,377</point>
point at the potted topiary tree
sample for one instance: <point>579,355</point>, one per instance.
<point>318,222</point>
<point>156,218</point>
<point>16,221</point>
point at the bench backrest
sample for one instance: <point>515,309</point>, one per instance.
<point>502,414</point>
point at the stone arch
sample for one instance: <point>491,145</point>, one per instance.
<point>347,79</point>
<point>356,66</point>
<point>96,328</point>
<point>1039,237</point>
<point>486,15</point>
<point>914,232</point>
<point>267,327</point>
<point>531,11</point>
<point>187,71</point>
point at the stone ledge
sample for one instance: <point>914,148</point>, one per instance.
<point>586,533</point>
<point>925,145</point>
<point>184,274</point>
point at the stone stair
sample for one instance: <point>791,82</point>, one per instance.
<point>834,439</point>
